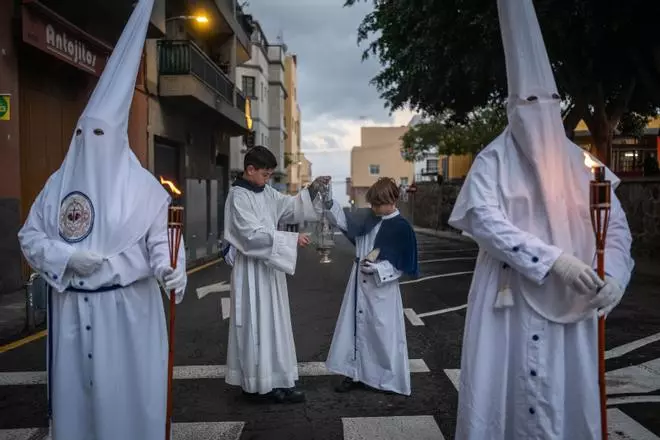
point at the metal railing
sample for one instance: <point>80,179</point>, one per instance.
<point>184,57</point>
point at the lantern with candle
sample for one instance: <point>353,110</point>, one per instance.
<point>174,232</point>
<point>324,236</point>
<point>600,205</point>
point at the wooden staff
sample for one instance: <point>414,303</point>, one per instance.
<point>174,229</point>
<point>600,203</point>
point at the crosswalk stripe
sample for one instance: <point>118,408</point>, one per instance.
<point>180,431</point>
<point>187,372</point>
<point>392,428</point>
<point>622,427</point>
<point>631,346</point>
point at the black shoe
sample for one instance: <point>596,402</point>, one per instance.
<point>278,395</point>
<point>347,385</point>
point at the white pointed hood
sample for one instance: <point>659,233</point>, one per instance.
<point>102,199</point>
<point>541,181</point>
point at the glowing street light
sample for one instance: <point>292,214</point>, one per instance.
<point>202,19</point>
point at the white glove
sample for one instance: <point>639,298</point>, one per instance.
<point>608,297</point>
<point>84,263</point>
<point>173,279</point>
<point>368,268</point>
<point>576,274</point>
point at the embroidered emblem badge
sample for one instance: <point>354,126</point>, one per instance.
<point>76,217</point>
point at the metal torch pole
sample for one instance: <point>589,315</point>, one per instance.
<point>174,230</point>
<point>600,189</point>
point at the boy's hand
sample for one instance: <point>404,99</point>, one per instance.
<point>303,240</point>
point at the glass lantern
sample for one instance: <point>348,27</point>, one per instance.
<point>324,234</point>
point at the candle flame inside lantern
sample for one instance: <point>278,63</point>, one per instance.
<point>172,187</point>
<point>589,162</point>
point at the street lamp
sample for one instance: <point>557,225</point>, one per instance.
<point>198,18</point>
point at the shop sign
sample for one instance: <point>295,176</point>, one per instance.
<point>5,107</point>
<point>63,40</point>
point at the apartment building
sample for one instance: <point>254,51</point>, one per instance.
<point>262,79</point>
<point>378,155</point>
<point>292,116</point>
<point>277,96</point>
<point>195,108</point>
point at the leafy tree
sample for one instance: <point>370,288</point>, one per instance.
<point>449,137</point>
<point>447,55</point>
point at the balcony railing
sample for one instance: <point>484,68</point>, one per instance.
<point>183,57</point>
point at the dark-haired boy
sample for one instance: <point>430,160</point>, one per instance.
<point>261,355</point>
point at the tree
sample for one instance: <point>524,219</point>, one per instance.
<point>449,137</point>
<point>447,55</point>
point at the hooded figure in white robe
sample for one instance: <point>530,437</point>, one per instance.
<point>369,346</point>
<point>529,366</point>
<point>261,354</point>
<point>97,233</point>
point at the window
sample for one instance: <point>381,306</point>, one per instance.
<point>248,86</point>
<point>404,181</point>
<point>374,170</point>
<point>431,165</point>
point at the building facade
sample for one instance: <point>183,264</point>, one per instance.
<point>630,156</point>
<point>194,108</point>
<point>277,96</point>
<point>378,155</point>
<point>252,78</point>
<point>263,80</point>
<point>52,53</point>
<point>292,116</point>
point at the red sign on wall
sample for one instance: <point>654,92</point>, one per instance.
<point>51,33</point>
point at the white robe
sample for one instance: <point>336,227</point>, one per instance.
<point>522,375</point>
<point>107,360</point>
<point>261,354</point>
<point>369,344</point>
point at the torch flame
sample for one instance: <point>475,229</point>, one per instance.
<point>589,162</point>
<point>171,186</point>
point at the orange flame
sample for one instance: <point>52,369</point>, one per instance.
<point>589,162</point>
<point>171,186</point>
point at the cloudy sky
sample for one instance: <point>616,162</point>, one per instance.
<point>334,93</point>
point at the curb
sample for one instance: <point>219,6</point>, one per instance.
<point>443,234</point>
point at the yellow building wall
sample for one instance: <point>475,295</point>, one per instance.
<point>292,121</point>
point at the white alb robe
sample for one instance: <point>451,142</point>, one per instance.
<point>524,376</point>
<point>107,360</point>
<point>369,344</point>
<point>261,354</point>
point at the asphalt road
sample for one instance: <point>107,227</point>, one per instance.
<point>206,408</point>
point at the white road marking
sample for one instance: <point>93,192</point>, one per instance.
<point>443,260</point>
<point>631,346</point>
<point>643,378</point>
<point>222,286</point>
<point>187,372</point>
<point>225,303</point>
<point>443,311</point>
<point>432,277</point>
<point>632,399</point>
<point>622,427</point>
<point>180,431</point>
<point>413,317</point>
<point>454,376</point>
<point>391,428</point>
